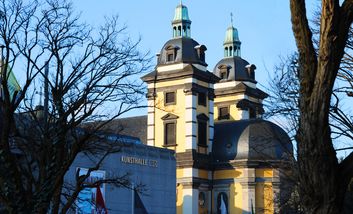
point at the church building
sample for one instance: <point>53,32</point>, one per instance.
<point>229,160</point>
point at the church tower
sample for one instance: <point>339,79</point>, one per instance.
<point>237,96</point>
<point>180,111</point>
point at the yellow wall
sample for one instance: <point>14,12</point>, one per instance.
<point>177,109</point>
<point>180,173</point>
<point>264,198</point>
<point>234,112</point>
<point>228,98</point>
<point>235,199</point>
<point>203,174</point>
<point>225,174</point>
<point>179,202</point>
<point>264,173</point>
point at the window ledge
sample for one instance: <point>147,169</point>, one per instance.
<point>171,145</point>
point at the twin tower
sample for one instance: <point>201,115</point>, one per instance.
<point>209,119</point>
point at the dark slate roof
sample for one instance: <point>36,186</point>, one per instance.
<point>253,140</point>
<point>129,126</point>
<point>242,88</point>
<point>187,71</point>
<point>186,51</point>
<point>237,70</point>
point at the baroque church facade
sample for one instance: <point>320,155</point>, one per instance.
<point>229,160</point>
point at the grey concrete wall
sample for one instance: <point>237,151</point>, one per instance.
<point>156,172</point>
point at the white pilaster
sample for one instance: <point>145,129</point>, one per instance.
<point>210,125</point>
<point>244,114</point>
<point>190,122</point>
<point>190,203</point>
<point>151,122</point>
<point>248,187</point>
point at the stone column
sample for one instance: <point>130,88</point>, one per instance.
<point>151,121</point>
<point>190,121</point>
<point>276,181</point>
<point>211,117</point>
<point>248,186</point>
<point>190,199</point>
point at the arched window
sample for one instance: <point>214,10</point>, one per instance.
<point>230,51</point>
<point>226,51</point>
<point>179,30</point>
<point>184,30</point>
<point>174,31</point>
<point>222,203</point>
<point>188,31</point>
<point>202,199</point>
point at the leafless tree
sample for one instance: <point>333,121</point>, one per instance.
<point>323,180</point>
<point>86,72</point>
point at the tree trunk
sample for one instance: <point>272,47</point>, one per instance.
<point>322,185</point>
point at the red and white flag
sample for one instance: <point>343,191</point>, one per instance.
<point>100,205</point>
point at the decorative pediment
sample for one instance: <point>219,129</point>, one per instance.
<point>202,117</point>
<point>223,67</point>
<point>169,116</point>
<point>201,47</point>
<point>171,47</point>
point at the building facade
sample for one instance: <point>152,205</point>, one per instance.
<point>228,159</point>
<point>149,173</point>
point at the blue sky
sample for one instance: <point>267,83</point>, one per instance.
<point>264,26</point>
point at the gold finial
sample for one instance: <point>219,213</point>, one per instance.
<point>231,18</point>
<point>181,2</point>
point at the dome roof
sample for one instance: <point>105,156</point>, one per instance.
<point>231,35</point>
<point>236,69</point>
<point>255,140</point>
<point>185,49</point>
<point>181,13</point>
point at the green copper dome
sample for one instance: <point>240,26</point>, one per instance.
<point>231,35</point>
<point>231,42</point>
<point>181,23</point>
<point>181,13</point>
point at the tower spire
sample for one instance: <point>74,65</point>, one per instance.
<point>181,22</point>
<point>231,42</point>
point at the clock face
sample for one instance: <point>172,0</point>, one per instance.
<point>202,199</point>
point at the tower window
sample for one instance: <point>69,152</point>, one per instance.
<point>169,98</point>
<point>202,56</point>
<point>223,113</point>
<point>170,57</point>
<point>170,134</point>
<point>224,72</point>
<point>202,199</point>
<point>252,113</point>
<point>223,75</point>
<point>179,30</point>
<point>202,133</point>
<point>222,203</point>
<point>202,99</point>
